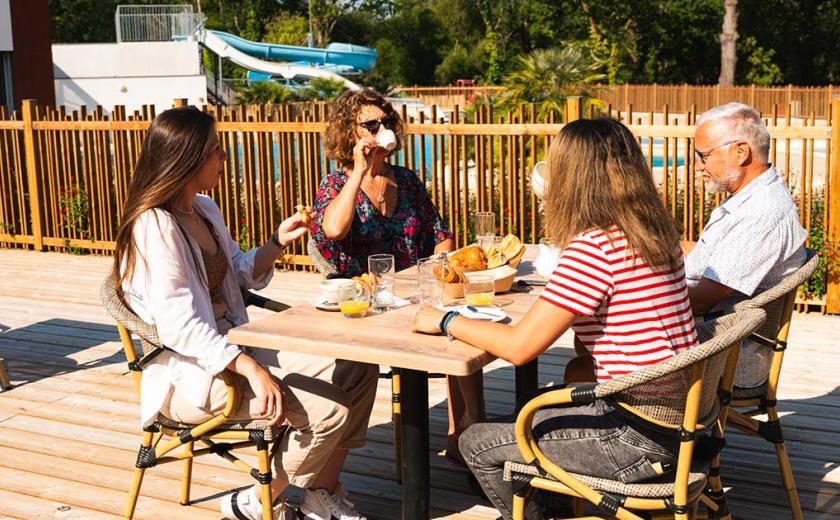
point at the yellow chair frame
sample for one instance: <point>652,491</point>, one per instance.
<point>682,505</point>
<point>219,435</point>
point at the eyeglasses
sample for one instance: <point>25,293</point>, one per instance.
<point>702,156</point>
<point>373,125</point>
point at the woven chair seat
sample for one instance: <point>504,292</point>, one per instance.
<point>662,487</point>
<point>318,260</point>
<point>749,393</point>
<point>271,432</point>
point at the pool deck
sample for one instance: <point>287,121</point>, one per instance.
<point>69,427</point>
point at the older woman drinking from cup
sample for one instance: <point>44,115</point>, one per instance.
<point>368,206</point>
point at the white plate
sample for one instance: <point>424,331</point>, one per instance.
<point>324,306</point>
<point>484,313</point>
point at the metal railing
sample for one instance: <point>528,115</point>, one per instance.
<point>155,23</point>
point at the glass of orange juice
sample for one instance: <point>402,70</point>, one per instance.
<point>354,299</point>
<point>479,289</point>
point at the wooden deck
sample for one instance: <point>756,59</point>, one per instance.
<point>69,427</point>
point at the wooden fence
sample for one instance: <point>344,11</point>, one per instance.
<point>64,177</point>
<point>798,101</point>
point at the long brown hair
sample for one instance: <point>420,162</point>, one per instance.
<point>340,136</point>
<point>598,178</point>
<point>176,146</point>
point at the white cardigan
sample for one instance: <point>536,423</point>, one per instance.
<point>168,292</point>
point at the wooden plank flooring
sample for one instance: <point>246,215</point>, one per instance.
<point>69,427</point>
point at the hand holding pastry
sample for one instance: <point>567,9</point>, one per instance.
<point>305,213</point>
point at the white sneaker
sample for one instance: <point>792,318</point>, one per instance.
<point>246,506</point>
<point>319,504</point>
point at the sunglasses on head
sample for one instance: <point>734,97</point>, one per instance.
<point>373,125</point>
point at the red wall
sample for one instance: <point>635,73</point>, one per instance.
<point>32,64</point>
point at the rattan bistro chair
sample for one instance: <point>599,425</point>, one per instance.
<point>777,302</point>
<point>685,394</point>
<point>5,384</point>
<point>219,435</point>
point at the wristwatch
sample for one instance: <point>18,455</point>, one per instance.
<point>276,239</point>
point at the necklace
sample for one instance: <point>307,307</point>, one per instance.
<point>381,198</point>
<point>190,212</point>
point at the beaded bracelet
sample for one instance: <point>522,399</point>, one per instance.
<point>445,322</point>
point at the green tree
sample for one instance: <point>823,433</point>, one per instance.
<point>548,76</point>
<point>323,89</point>
<point>760,68</point>
<point>264,92</point>
<point>460,63</point>
<point>325,14</point>
<point>286,28</point>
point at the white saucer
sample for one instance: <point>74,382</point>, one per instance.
<point>493,314</point>
<point>318,303</point>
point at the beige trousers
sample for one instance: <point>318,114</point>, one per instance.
<point>327,402</point>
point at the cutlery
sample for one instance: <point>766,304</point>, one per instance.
<point>476,311</point>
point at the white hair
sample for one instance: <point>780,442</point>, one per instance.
<point>738,121</point>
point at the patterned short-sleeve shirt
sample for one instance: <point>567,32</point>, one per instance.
<point>629,315</point>
<point>410,233</point>
<point>752,240</point>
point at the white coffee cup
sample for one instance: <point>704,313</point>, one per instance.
<point>386,139</point>
<point>539,185</point>
<point>329,289</point>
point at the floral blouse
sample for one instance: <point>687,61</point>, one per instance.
<point>410,233</point>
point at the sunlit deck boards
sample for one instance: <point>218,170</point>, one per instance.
<point>69,428</point>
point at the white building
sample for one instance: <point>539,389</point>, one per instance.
<point>128,74</point>
<point>5,55</point>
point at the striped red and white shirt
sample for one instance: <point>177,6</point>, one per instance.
<point>629,315</point>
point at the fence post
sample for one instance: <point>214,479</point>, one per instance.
<point>832,298</point>
<point>574,108</point>
<point>28,108</point>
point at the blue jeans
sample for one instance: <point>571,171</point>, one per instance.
<point>593,440</point>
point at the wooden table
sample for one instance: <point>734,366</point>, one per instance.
<point>386,339</point>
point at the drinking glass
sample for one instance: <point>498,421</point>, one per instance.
<point>354,299</point>
<point>381,269</point>
<point>430,280</point>
<point>479,289</point>
<point>484,224</point>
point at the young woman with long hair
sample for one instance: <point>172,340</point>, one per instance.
<point>619,284</point>
<point>179,269</point>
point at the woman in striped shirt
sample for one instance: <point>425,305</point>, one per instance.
<point>619,284</point>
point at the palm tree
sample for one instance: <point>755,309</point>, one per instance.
<point>547,77</point>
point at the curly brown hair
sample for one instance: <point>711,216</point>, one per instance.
<point>340,136</point>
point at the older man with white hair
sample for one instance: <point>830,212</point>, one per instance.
<point>754,238</point>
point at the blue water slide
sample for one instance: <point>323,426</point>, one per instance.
<point>338,57</point>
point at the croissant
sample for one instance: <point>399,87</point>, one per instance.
<point>470,258</point>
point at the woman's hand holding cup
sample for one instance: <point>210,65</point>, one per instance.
<point>364,154</point>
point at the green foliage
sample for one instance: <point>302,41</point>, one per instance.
<point>262,92</point>
<point>436,41</point>
<point>74,207</point>
<point>268,91</point>
<point>460,63</point>
<point>325,14</point>
<point>827,249</point>
<point>548,76</point>
<point>322,89</point>
<point>760,68</point>
<point>286,28</point>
